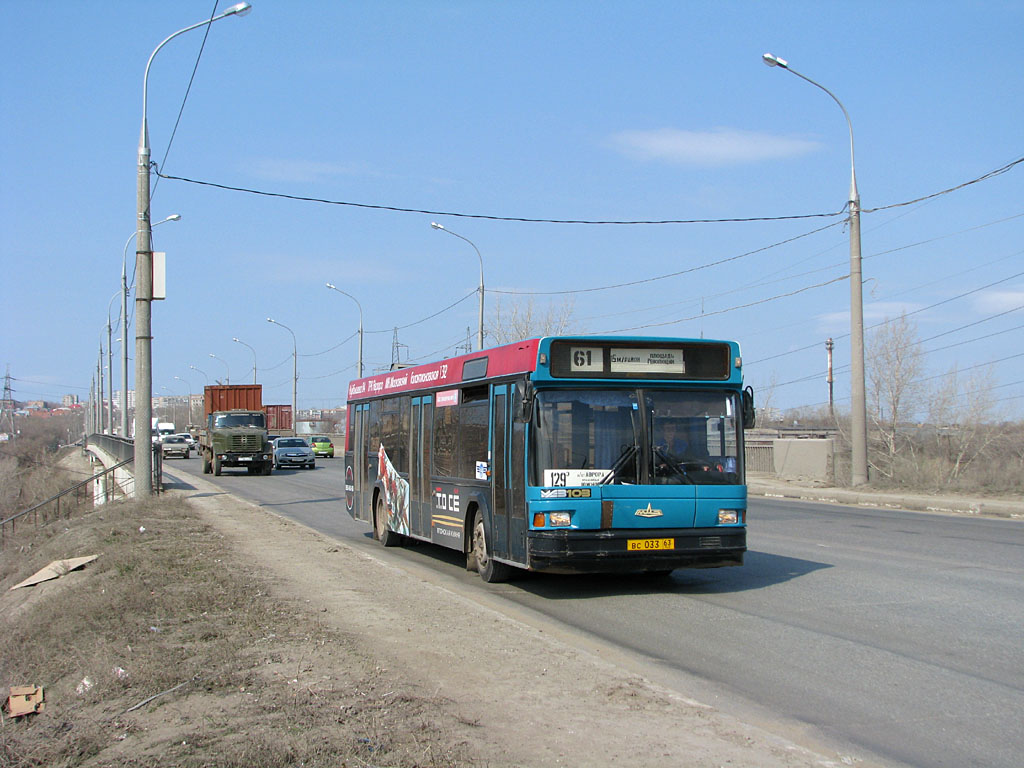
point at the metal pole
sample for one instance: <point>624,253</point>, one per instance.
<point>359,365</point>
<point>858,399</point>
<point>99,378</point>
<point>295,371</point>
<point>480,325</point>
<point>253,357</point>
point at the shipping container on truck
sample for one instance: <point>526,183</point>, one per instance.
<point>279,418</point>
<point>232,397</point>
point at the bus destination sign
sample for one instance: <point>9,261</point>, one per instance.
<point>679,360</point>
<point>647,361</point>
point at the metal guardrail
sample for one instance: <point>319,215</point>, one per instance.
<point>123,449</point>
<point>118,447</point>
<point>34,510</point>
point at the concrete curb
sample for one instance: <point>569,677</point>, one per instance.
<point>977,507</point>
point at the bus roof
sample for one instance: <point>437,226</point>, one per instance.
<point>564,358</point>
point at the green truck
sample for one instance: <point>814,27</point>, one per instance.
<point>234,433</point>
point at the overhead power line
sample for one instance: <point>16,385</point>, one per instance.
<point>531,220</point>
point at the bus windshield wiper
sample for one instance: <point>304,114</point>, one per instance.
<point>620,462</point>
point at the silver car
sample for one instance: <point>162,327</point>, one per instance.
<point>293,452</point>
<point>175,445</point>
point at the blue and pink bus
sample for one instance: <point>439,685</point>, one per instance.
<point>578,454</point>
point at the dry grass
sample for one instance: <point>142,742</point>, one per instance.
<point>253,681</point>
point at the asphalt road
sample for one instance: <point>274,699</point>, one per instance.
<point>890,636</point>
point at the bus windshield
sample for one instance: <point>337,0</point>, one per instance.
<point>595,437</point>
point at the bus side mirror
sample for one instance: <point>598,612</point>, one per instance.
<point>526,397</point>
<point>749,415</point>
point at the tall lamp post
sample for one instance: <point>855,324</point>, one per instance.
<point>359,365</point>
<point>480,329</point>
<point>110,364</point>
<point>295,369</point>
<point>124,314</point>
<point>858,399</point>
<point>144,291</point>
<point>205,377</point>
<point>188,420</point>
<point>227,370</point>
<point>239,341</point>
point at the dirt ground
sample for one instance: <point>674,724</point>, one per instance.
<point>514,695</point>
<point>273,645</point>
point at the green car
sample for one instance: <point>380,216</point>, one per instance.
<point>322,446</point>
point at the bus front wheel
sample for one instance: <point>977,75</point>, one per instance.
<point>490,570</point>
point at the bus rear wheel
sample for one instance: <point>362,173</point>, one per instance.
<point>490,570</point>
<point>381,532</point>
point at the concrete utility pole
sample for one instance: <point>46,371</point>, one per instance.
<point>858,396</point>
<point>829,346</point>
<point>124,323</point>
<point>144,290</point>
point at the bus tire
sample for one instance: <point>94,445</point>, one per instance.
<point>490,570</point>
<point>381,532</point>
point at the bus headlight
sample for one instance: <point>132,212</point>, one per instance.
<point>729,516</point>
<point>559,519</point>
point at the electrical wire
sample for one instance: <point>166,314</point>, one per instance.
<point>490,217</point>
<point>529,220</point>
<point>699,267</point>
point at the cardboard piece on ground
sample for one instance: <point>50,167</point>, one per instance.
<point>25,700</point>
<point>55,570</point>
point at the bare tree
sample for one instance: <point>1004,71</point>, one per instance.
<point>513,320</point>
<point>962,415</point>
<point>894,388</point>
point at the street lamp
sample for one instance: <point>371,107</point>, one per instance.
<point>858,400</point>
<point>480,331</point>
<point>360,363</point>
<point>144,291</point>
<point>110,365</point>
<point>228,370</point>
<point>189,385</point>
<point>124,314</point>
<point>253,357</point>
<point>205,377</point>
<point>295,369</point>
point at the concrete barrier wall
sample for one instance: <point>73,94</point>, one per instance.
<point>804,460</point>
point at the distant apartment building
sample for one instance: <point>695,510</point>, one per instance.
<point>131,398</point>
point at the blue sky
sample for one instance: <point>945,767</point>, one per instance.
<point>534,110</point>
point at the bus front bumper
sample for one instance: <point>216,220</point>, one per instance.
<point>609,551</point>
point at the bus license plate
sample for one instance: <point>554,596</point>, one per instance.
<point>648,545</point>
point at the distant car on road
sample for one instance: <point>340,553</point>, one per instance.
<point>175,445</point>
<point>322,446</point>
<point>293,452</point>
<point>188,439</point>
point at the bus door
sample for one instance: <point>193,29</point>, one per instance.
<point>420,440</point>
<point>501,498</point>
<point>355,473</point>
